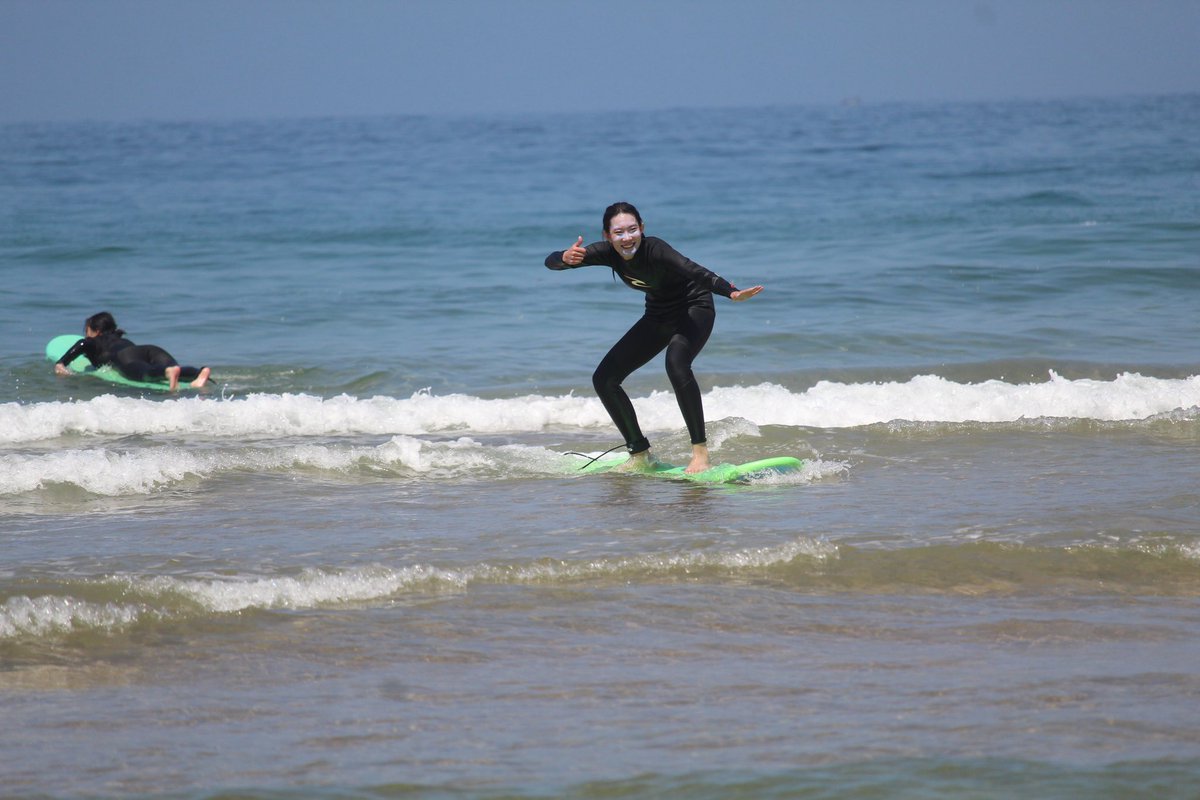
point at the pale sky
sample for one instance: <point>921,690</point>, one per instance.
<point>238,59</point>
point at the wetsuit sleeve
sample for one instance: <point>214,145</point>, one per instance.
<point>75,352</point>
<point>681,264</point>
<point>593,255</point>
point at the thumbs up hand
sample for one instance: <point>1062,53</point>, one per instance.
<point>573,255</point>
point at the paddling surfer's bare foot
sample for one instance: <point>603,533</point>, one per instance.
<point>201,379</point>
<point>172,374</point>
<point>699,462</point>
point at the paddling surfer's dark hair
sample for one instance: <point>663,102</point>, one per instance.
<point>103,323</point>
<point>620,208</point>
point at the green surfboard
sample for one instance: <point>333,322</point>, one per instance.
<point>718,473</point>
<point>57,347</point>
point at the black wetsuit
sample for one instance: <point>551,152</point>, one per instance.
<point>679,317</point>
<point>137,362</point>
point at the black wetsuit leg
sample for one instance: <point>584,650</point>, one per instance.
<point>683,338</point>
<point>144,362</point>
<point>691,334</point>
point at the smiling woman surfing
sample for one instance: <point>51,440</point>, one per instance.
<point>679,317</point>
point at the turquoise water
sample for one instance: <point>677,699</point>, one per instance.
<point>362,564</point>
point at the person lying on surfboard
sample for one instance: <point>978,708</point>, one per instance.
<point>104,343</point>
<point>679,317</point>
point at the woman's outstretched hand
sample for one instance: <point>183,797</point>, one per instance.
<point>573,255</point>
<point>741,294</point>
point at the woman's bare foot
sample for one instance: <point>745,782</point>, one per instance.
<point>172,374</point>
<point>202,378</point>
<point>638,462</point>
<point>699,461</point>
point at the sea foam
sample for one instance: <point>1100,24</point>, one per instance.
<point>925,398</point>
<point>118,472</point>
<point>169,598</point>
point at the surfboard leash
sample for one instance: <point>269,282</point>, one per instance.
<point>595,459</point>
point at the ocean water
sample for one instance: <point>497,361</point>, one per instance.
<point>362,563</point>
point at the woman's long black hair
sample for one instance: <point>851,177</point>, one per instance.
<point>103,323</point>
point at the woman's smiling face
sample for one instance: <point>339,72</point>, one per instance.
<point>625,234</point>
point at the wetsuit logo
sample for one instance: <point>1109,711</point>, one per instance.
<point>636,282</point>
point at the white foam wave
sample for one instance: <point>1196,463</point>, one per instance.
<point>315,588</point>
<point>114,473</point>
<point>929,398</point>
<point>165,597</point>
<point>100,472</point>
<point>1190,550</point>
<point>311,589</point>
<point>293,415</point>
<point>925,398</point>
<point>141,471</point>
<point>814,469</point>
<point>39,616</point>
